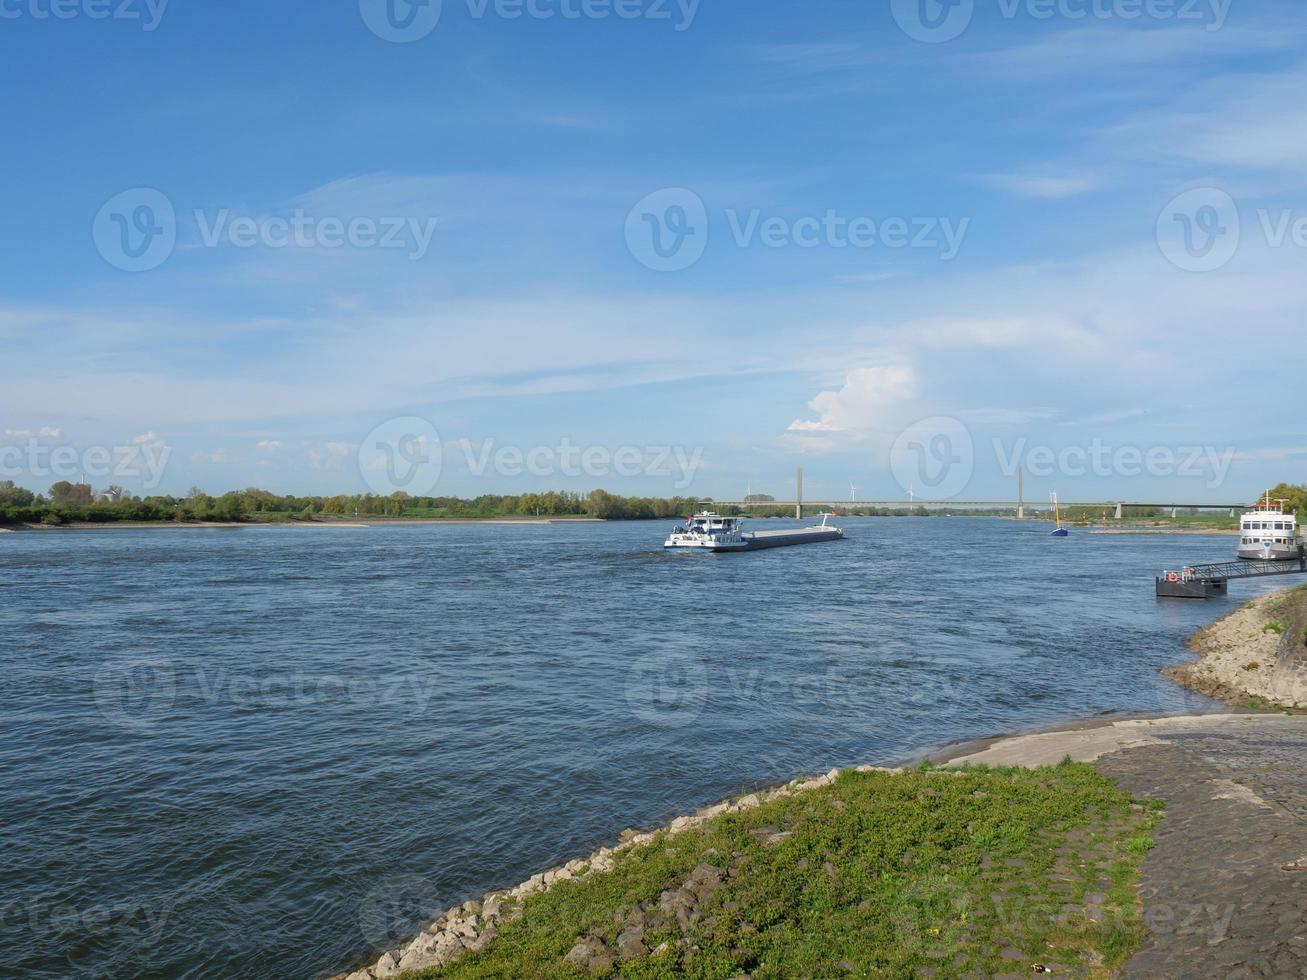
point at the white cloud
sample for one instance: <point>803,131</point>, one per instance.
<point>869,278</point>
<point>270,444</point>
<point>864,404</point>
<point>1257,122</point>
<point>1044,187</point>
<point>1106,48</point>
<point>1005,416</point>
<point>329,455</point>
<point>218,457</point>
<point>1051,326</point>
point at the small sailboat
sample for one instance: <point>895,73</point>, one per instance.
<point>1061,532</point>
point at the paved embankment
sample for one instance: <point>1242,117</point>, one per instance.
<point>1225,888</point>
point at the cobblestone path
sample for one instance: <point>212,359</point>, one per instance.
<point>1218,901</point>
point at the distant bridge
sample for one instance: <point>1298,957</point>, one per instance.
<point>1117,506</point>
<point>989,504</point>
<point>1019,505</point>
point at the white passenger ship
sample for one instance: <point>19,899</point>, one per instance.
<point>1267,533</point>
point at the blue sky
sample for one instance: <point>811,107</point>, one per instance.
<point>1021,195</point>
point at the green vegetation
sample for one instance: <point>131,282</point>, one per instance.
<point>1295,497</point>
<point>1276,626</point>
<point>1198,520</point>
<point>942,873</point>
<point>72,503</point>
<point>69,503</point>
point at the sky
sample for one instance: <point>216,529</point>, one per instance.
<point>662,247</point>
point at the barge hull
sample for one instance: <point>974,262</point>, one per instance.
<point>784,539</point>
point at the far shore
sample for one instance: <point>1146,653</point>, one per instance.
<point>353,522</point>
<point>1221,531</point>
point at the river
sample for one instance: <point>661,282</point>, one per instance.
<point>272,751</point>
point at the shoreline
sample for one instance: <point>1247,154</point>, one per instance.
<point>1196,531</point>
<point>358,522</point>
<point>1255,656</point>
<point>472,925</point>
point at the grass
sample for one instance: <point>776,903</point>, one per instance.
<point>1276,626</point>
<point>922,873</point>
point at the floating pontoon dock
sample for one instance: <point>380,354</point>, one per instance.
<point>1208,581</point>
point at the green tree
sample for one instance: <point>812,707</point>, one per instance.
<point>601,504</point>
<point>65,494</point>
<point>1294,495</point>
<point>12,495</point>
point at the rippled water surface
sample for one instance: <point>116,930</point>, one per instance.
<point>267,751</point>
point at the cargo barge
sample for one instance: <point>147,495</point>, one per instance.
<point>709,533</point>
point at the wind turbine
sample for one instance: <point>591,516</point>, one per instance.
<point>853,493</point>
<point>912,494</point>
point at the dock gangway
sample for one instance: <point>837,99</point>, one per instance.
<point>1206,581</point>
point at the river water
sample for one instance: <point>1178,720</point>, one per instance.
<point>272,751</point>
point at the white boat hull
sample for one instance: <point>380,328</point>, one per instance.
<point>1268,552</point>
<point>756,541</point>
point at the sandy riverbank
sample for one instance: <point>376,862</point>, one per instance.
<point>1255,656</point>
<point>1199,531</point>
<point>130,525</point>
<point>352,522</point>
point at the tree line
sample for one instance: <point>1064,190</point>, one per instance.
<point>71,503</point>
